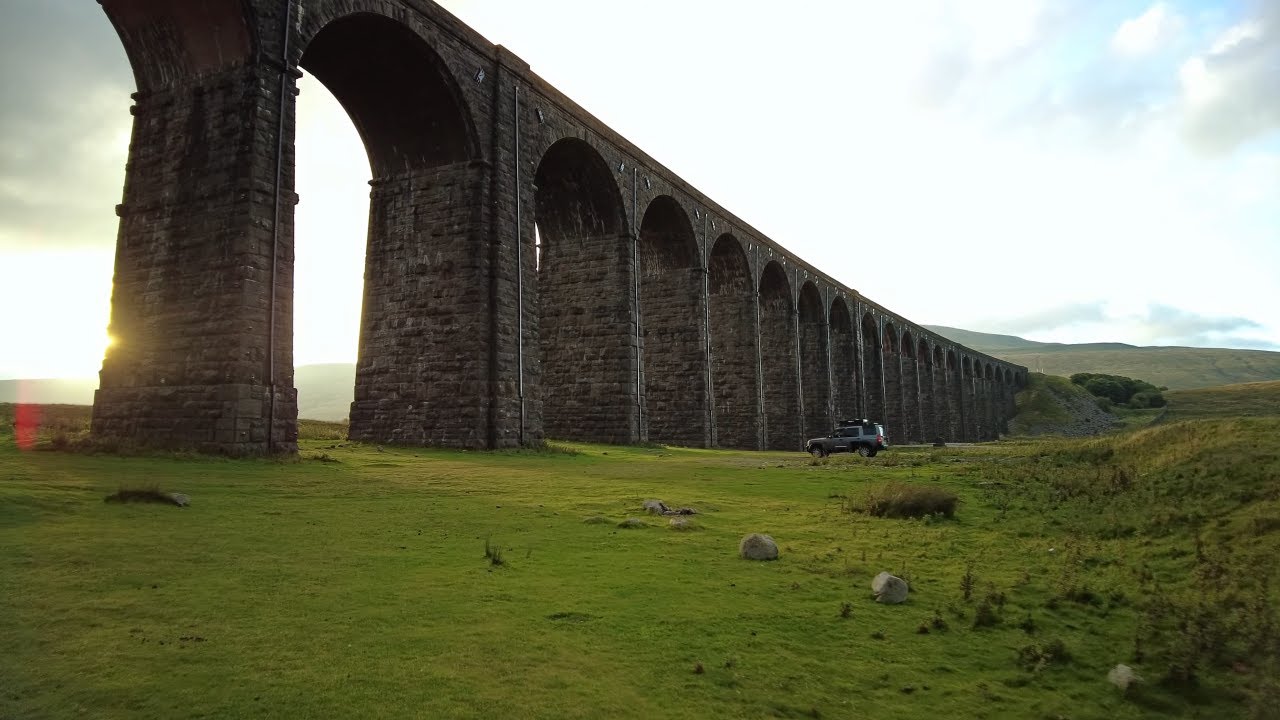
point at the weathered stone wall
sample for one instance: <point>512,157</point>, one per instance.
<point>421,376</point>
<point>193,270</point>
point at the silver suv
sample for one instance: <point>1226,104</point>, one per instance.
<point>861,436</point>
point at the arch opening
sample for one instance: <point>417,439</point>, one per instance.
<point>420,252</point>
<point>814,379</point>
<point>843,362</point>
<point>778,360</point>
<point>671,316</point>
<point>734,347</point>
<point>911,413</point>
<point>585,353</point>
<point>894,420</point>
<point>873,368</point>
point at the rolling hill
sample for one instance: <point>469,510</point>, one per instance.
<point>324,391</point>
<point>1177,368</point>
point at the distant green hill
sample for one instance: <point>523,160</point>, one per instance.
<point>1178,368</point>
<point>325,392</point>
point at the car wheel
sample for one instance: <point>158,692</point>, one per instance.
<point>817,451</point>
<point>865,451</point>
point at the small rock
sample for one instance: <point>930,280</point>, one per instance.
<point>679,523</point>
<point>632,523</point>
<point>1123,676</point>
<point>655,507</point>
<point>889,589</point>
<point>180,499</point>
<point>758,547</point>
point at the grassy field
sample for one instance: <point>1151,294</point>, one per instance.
<point>1243,400</point>
<point>359,581</point>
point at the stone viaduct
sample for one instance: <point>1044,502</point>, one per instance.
<point>530,273</point>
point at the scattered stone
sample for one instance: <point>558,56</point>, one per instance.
<point>657,507</point>
<point>180,499</point>
<point>1123,676</point>
<point>680,523</point>
<point>632,523</point>
<point>758,547</point>
<point>889,589</point>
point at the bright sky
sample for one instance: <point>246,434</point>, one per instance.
<point>1060,170</point>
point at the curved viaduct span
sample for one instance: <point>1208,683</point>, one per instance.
<point>529,271</point>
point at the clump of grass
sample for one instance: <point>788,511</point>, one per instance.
<point>322,430</point>
<point>493,553</point>
<point>846,609</point>
<point>903,500</point>
<point>323,457</point>
<point>985,615</point>
<point>596,520</point>
<point>149,494</point>
<point>1036,657</point>
<point>632,524</point>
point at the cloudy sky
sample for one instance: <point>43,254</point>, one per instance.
<point>1062,170</point>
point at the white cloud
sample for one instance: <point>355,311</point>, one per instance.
<point>1229,92</point>
<point>1147,32</point>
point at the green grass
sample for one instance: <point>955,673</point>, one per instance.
<point>1260,399</point>
<point>354,581</point>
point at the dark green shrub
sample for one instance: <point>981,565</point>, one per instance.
<point>900,500</point>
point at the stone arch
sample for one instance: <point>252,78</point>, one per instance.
<point>924,384</point>
<point>893,415</point>
<point>844,379</point>
<point>941,399</point>
<point>955,395</point>
<point>734,346</point>
<point>420,142</point>
<point>202,39</point>
<point>814,378</point>
<point>910,389</point>
<point>989,406</point>
<point>585,327</point>
<point>972,422</point>
<point>778,363</point>
<point>671,316</point>
<point>405,126</point>
<point>873,368</point>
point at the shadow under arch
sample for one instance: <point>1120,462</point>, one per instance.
<point>778,360</point>
<point>671,317</point>
<point>873,367</point>
<point>734,346</point>
<point>814,378</point>
<point>586,352</point>
<point>413,382</point>
<point>844,362</point>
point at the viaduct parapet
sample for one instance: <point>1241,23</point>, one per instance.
<point>529,272</point>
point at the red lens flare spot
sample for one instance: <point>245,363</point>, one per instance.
<point>26,421</point>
